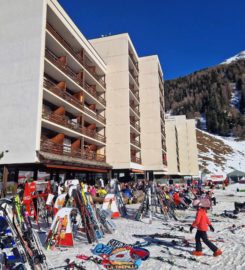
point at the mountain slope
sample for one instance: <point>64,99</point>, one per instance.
<point>219,154</point>
<point>216,94</point>
<point>236,57</point>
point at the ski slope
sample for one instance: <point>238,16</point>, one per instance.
<point>219,154</point>
<point>233,247</point>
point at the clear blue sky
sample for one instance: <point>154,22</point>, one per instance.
<point>188,35</point>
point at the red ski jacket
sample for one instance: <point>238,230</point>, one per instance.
<point>202,221</point>
<point>176,198</point>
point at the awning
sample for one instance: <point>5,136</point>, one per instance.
<point>138,171</point>
<point>77,168</point>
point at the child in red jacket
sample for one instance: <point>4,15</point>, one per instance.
<point>202,223</point>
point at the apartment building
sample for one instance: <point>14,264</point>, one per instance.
<point>182,153</point>
<point>152,116</point>
<point>52,95</point>
<point>123,114</point>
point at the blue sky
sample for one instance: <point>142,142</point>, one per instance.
<point>188,35</point>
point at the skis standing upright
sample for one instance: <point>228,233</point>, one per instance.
<point>119,199</point>
<point>86,219</point>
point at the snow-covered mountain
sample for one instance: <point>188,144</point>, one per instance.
<point>218,154</point>
<point>236,57</point>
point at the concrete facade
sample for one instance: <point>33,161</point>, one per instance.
<point>21,69</point>
<point>52,95</point>
<point>152,114</point>
<point>123,115</point>
<point>182,153</point>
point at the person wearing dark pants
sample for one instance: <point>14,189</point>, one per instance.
<point>200,235</point>
<point>202,223</point>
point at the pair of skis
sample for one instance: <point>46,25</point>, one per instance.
<point>110,265</point>
<point>86,219</point>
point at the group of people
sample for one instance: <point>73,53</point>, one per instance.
<point>182,196</point>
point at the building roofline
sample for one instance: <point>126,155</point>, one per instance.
<point>74,27</point>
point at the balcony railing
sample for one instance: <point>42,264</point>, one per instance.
<point>133,60</point>
<point>49,85</point>
<point>136,159</point>
<point>68,71</point>
<point>63,121</point>
<point>135,125</point>
<point>134,91</point>
<point>135,142</point>
<point>94,114</point>
<point>164,159</point>
<point>59,149</point>
<point>135,108</point>
<point>134,76</point>
<point>73,53</point>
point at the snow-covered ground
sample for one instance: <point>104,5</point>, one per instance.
<point>233,160</point>
<point>236,57</point>
<point>233,246</point>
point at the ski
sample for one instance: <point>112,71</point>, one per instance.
<point>167,260</point>
<point>158,235</point>
<point>69,265</point>
<point>86,220</point>
<point>182,256</point>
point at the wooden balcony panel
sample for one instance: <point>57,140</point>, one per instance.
<point>63,121</point>
<point>74,53</point>
<point>68,71</point>
<point>59,149</point>
<point>71,99</point>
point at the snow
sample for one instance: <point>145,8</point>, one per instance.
<point>235,160</point>
<point>236,57</point>
<point>235,97</point>
<point>233,246</point>
<point>203,121</point>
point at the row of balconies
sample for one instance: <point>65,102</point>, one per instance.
<point>61,65</point>
<point>134,91</point>
<point>68,123</point>
<point>64,150</point>
<point>134,123</point>
<point>136,65</point>
<point>134,107</point>
<point>135,77</point>
<point>79,56</point>
<point>52,87</point>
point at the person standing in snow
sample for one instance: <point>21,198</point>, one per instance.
<point>202,223</point>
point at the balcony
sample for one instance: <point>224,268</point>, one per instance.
<point>134,107</point>
<point>70,73</point>
<point>59,149</point>
<point>76,55</point>
<point>164,159</point>
<point>52,87</point>
<point>135,77</point>
<point>135,142</point>
<point>134,61</point>
<point>134,91</point>
<point>65,122</point>
<point>135,159</point>
<point>135,125</point>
